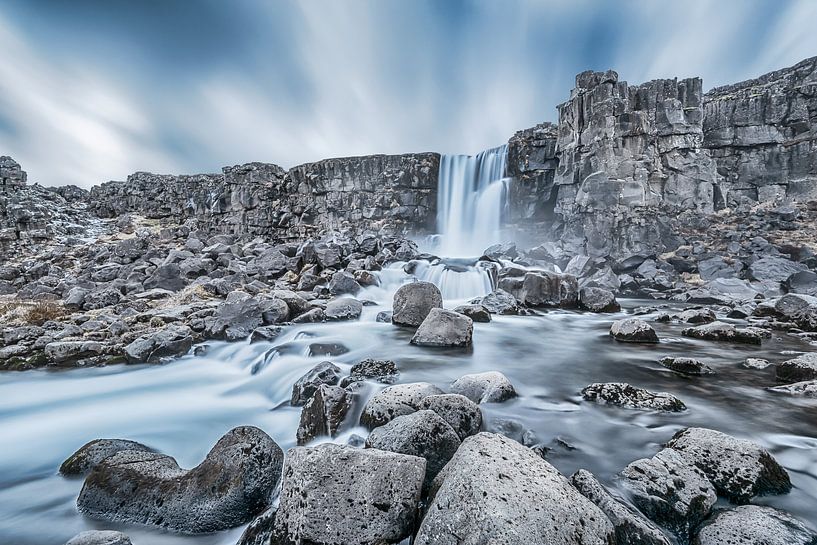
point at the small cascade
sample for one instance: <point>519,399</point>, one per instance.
<point>471,199</point>
<point>458,279</point>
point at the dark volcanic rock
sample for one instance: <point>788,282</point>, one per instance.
<point>478,313</point>
<point>325,372</point>
<point>488,387</point>
<point>234,483</point>
<point>721,331</point>
<point>100,537</point>
<point>412,303</point>
<point>633,330</point>
<point>93,452</point>
<point>169,342</point>
<point>738,468</point>
<point>686,366</point>
<point>774,269</point>
<point>800,309</point>
<point>621,393</point>
<point>344,308</point>
<point>463,415</point>
<point>598,300</point>
<point>323,413</point>
<point>801,368</point>
<point>754,525</point>
<point>443,328</point>
<point>383,371</point>
<point>396,401</point>
<point>807,388</point>
<point>500,302</point>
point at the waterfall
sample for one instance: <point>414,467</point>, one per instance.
<point>471,197</point>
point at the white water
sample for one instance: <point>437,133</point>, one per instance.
<point>470,200</point>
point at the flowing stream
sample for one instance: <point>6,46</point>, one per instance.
<point>182,408</point>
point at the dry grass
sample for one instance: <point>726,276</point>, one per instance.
<point>30,312</point>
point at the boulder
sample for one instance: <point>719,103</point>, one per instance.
<point>499,302</point>
<point>624,395</point>
<point>739,469</point>
<point>478,313</point>
<point>323,413</point>
<point>233,484</point>
<point>721,331</point>
<point>686,366</point>
<point>342,283</point>
<point>774,269</point>
<point>548,289</point>
<point>344,308</point>
<point>670,491</point>
<point>101,298</point>
<point>260,530</point>
<point>325,372</point>
<point>333,494</point>
<point>240,315</point>
<point>413,302</point>
<point>801,368</point>
<point>754,525</point>
<point>69,352</point>
<point>495,490</point>
<point>93,452</point>
<point>803,282</point>
<point>697,316</point>
<point>169,342</point>
<point>799,309</point>
<point>383,371</point>
<point>598,300</point>
<point>166,277</point>
<point>99,537</point>
<point>488,387</point>
<point>423,433</point>
<point>807,388</point>
<point>630,526</point>
<point>463,415</point>
<point>443,328</point>
<point>756,363</point>
<point>633,330</point>
<point>395,401</point>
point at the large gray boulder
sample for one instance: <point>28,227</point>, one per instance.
<point>463,415</point>
<point>412,303</point>
<point>721,331</point>
<point>754,525</point>
<point>499,302</point>
<point>423,433</point>
<point>488,387</point>
<point>93,452</point>
<point>494,490</point>
<point>169,342</point>
<point>633,330</point>
<point>686,366</point>
<point>739,469</point>
<point>546,289</point>
<point>324,413</point>
<point>443,328</point>
<point>630,526</point>
<point>343,308</point>
<point>241,314</point>
<point>334,494</point>
<point>99,537</point>
<point>799,369</point>
<point>598,300</point>
<point>625,395</point>
<point>800,309</point>
<point>396,401</point>
<point>325,372</point>
<point>342,283</point>
<point>234,483</point>
<point>670,491</point>
<point>774,269</point>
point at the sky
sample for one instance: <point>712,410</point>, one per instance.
<point>93,90</point>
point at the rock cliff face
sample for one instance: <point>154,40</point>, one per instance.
<point>386,193</point>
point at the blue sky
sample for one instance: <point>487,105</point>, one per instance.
<point>92,90</point>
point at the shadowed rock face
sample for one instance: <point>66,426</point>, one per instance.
<point>233,484</point>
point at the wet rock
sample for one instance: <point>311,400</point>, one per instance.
<point>756,363</point>
<point>799,309</point>
<point>93,452</point>
<point>495,490</point>
<point>169,342</point>
<point>697,316</point>
<point>774,269</point>
<point>625,395</point>
<point>423,433</point>
<point>413,302</point>
<point>739,469</point>
<point>325,372</point>
<point>803,367</point>
<point>721,331</point>
<point>68,352</point>
<point>686,366</point>
<point>313,316</point>
<point>383,371</point>
<point>395,401</point>
<point>598,300</point>
<point>260,530</point>
<point>488,387</point>
<point>499,302</point>
<point>383,317</point>
<point>334,494</point>
<point>670,491</point>
<point>234,483</point>
<point>240,315</point>
<point>478,313</point>
<point>547,289</point>
<point>754,525</point>
<point>443,328</point>
<point>100,537</point>
<point>342,283</point>
<point>633,330</point>
<point>344,308</point>
<point>630,526</point>
<point>326,350</point>
<point>267,333</point>
<point>323,413</point>
<point>463,415</point>
<point>806,388</point>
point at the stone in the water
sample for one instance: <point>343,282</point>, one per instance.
<point>343,308</point>
<point>488,387</point>
<point>326,350</point>
<point>325,372</point>
<point>739,469</point>
<point>633,330</point>
<point>631,528</point>
<point>670,491</point>
<point>721,331</point>
<point>259,531</point>
<point>799,369</point>
<point>323,413</point>
<point>478,313</point>
<point>169,342</point>
<point>100,537</point>
<point>500,302</point>
<point>423,433</point>
<point>697,316</point>
<point>233,484</point>
<point>395,401</point>
<point>412,303</point>
<point>266,333</point>
<point>686,366</point>
<point>598,300</point>
<point>342,283</point>
<point>333,494</point>
<point>625,395</point>
<point>93,452</point>
<point>494,490</point>
<point>443,328</point>
<point>754,525</point>
<point>800,309</point>
<point>807,388</point>
<point>756,363</point>
<point>462,414</point>
<point>383,371</point>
